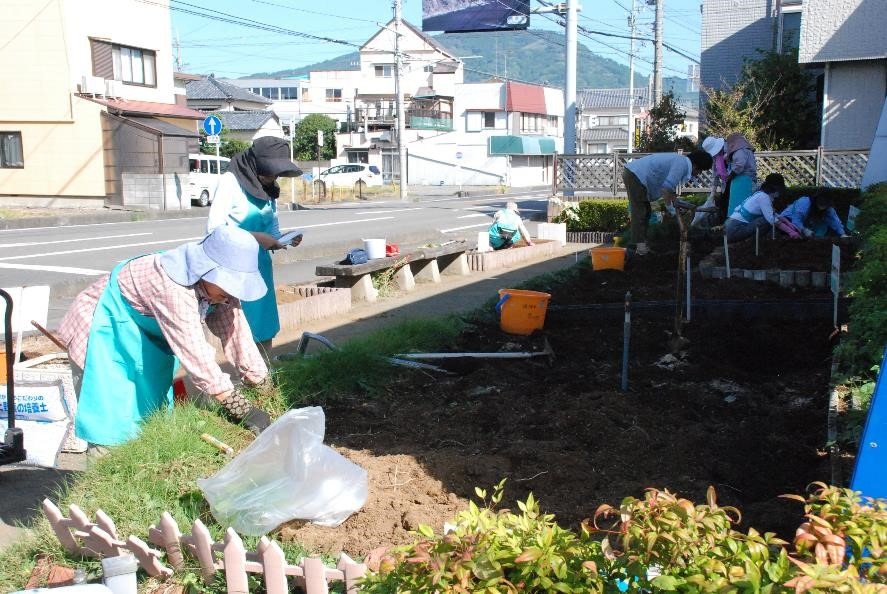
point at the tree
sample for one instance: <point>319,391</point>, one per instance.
<point>305,138</point>
<point>772,104</point>
<point>660,134</point>
<point>228,147</point>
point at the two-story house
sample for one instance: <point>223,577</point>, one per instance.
<point>847,38</point>
<point>603,118</point>
<point>245,115</point>
<point>89,106</point>
<point>734,30</point>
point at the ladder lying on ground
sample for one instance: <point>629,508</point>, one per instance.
<point>81,536</point>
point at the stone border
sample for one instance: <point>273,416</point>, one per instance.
<point>500,259</point>
<point>712,266</point>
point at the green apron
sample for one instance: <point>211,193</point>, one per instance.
<point>264,322</point>
<point>741,187</point>
<point>128,372</point>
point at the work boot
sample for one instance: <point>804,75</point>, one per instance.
<point>241,410</point>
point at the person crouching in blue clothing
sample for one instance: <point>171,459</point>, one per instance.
<point>814,216</point>
<point>508,228</point>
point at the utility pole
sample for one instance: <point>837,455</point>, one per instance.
<point>657,54</point>
<point>570,78</point>
<point>631,80</point>
<point>398,89</point>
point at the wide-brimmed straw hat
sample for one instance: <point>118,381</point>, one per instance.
<point>713,145</point>
<point>228,257</point>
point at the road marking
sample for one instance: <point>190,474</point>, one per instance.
<point>366,212</point>
<point>65,269</point>
<point>30,243</point>
<point>465,227</point>
<point>184,240</point>
<point>100,249</point>
<point>103,224</point>
<point>471,216</point>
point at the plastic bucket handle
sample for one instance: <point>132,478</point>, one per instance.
<point>502,301</point>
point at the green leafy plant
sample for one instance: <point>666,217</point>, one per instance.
<point>607,214</point>
<point>492,551</point>
<point>845,532</point>
<point>668,543</point>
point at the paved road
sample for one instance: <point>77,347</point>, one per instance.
<point>68,258</point>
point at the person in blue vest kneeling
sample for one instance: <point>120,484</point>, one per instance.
<point>127,333</point>
<point>508,228</point>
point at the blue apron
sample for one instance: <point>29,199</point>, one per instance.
<point>128,372</point>
<point>741,187</point>
<point>264,322</point>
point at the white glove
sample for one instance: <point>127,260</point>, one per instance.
<point>807,232</point>
<point>670,208</point>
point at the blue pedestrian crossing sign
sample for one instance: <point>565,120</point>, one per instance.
<point>212,125</point>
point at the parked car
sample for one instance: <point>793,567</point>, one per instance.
<point>351,176</point>
<point>203,178</point>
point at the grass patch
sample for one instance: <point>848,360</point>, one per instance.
<point>134,485</point>
<point>360,366</point>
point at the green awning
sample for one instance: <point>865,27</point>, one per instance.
<point>521,145</point>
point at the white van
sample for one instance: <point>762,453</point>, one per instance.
<point>204,176</point>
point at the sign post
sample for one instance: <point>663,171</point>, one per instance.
<point>836,281</point>
<point>292,140</point>
<point>459,170</point>
<point>212,125</point>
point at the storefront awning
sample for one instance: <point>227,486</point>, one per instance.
<point>521,145</point>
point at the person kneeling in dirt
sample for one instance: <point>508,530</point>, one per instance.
<point>813,217</point>
<point>756,211</point>
<point>127,332</point>
<point>508,228</point>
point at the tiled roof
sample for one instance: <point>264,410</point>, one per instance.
<point>244,120</point>
<point>165,128</point>
<point>603,133</point>
<point>611,98</point>
<point>119,106</point>
<point>210,88</point>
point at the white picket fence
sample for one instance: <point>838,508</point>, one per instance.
<point>81,536</point>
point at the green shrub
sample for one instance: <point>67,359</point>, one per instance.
<point>863,346</point>
<point>599,214</point>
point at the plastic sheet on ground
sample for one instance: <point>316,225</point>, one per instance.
<point>287,473</point>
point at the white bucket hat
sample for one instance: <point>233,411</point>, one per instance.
<point>512,206</point>
<point>713,145</point>
<point>228,257</point>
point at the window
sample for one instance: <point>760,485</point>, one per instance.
<point>130,65</point>
<point>789,31</point>
<point>612,120</point>
<point>11,154</point>
<point>289,92</point>
<point>334,95</point>
<point>489,119</point>
<point>269,93</point>
<point>533,123</point>
<point>214,166</point>
<point>384,70</point>
<point>428,68</point>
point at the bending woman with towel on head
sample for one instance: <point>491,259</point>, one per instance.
<point>246,197</point>
<point>127,333</point>
<point>508,228</point>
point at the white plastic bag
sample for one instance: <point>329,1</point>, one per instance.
<point>705,219</point>
<point>286,474</point>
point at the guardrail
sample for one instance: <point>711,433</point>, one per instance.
<point>602,172</point>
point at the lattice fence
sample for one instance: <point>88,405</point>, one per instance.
<point>84,537</point>
<point>603,172</point>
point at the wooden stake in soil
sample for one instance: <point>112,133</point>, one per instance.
<point>726,255</point>
<point>688,268</point>
<point>626,338</point>
<point>757,240</point>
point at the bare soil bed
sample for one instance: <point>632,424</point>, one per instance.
<point>742,407</point>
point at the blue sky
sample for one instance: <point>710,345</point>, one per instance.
<point>229,50</point>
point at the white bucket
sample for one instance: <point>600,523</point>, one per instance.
<point>375,248</point>
<point>120,574</point>
<point>483,242</point>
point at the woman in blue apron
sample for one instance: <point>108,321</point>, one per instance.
<point>130,354</point>
<point>246,197</point>
<point>508,228</point>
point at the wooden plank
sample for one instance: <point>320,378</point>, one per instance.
<point>273,566</point>
<point>235,564</point>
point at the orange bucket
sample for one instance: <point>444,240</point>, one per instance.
<point>603,258</point>
<point>521,312</point>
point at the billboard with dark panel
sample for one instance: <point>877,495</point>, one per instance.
<point>475,15</point>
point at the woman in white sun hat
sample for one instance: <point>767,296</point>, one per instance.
<point>127,333</point>
<point>508,228</point>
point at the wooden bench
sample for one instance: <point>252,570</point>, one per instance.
<point>425,263</point>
